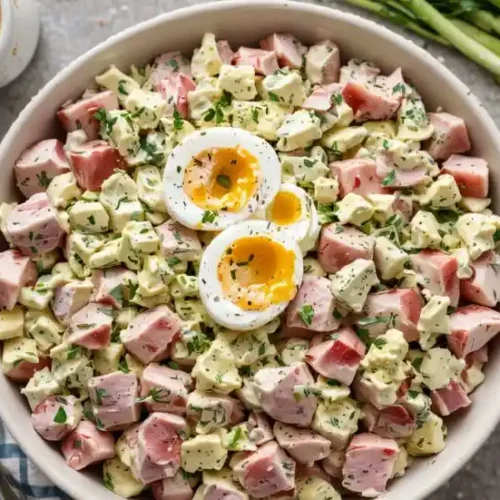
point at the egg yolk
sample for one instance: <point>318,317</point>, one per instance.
<point>222,179</point>
<point>257,272</point>
<point>285,209</point>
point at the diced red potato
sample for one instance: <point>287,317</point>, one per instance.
<point>439,271</point>
<point>267,471</point>
<point>80,114</point>
<point>56,416</point>
<point>471,328</point>
<point>169,65</point>
<point>471,175</point>
<point>449,399</point>
<point>484,286</point>
<point>275,389</point>
<point>172,488</point>
<point>450,136</point>
<point>368,464</point>
<point>149,335</point>
<point>225,51</point>
<point>288,48</point>
<point>369,102</point>
<point>114,399</point>
<point>333,463</point>
<point>316,292</point>
<point>87,445</point>
<point>178,241</point>
<point>320,98</point>
<point>338,358</point>
<point>33,226</point>
<point>159,447</point>
<point>357,176</point>
<point>175,90</point>
<point>323,63</point>
<point>260,430</point>
<point>93,162</point>
<point>402,178</point>
<point>339,248</point>
<point>402,306</point>
<point>167,389</point>
<point>111,285</point>
<point>90,327</point>
<point>22,372</point>
<point>304,445</point>
<point>38,165</point>
<point>264,62</point>
<point>391,422</point>
<point>68,300</point>
<point>16,271</point>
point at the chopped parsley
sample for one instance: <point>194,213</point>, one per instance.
<point>273,97</point>
<point>61,416</point>
<point>121,88</point>
<point>234,438</point>
<point>209,216</point>
<point>178,121</point>
<point>389,179</point>
<point>43,180</point>
<point>306,314</point>
<point>224,181</point>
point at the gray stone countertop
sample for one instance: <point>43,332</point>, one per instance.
<point>71,27</point>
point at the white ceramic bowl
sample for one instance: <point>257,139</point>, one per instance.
<point>246,22</point>
<point>19,33</point>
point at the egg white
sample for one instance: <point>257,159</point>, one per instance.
<point>221,309</point>
<point>181,208</point>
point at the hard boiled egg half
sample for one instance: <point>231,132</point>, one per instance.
<point>220,176</point>
<point>249,274</point>
<point>293,210</point>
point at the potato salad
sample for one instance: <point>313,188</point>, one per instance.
<point>266,273</point>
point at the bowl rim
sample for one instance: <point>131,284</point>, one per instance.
<point>482,433</point>
<point>6,25</point>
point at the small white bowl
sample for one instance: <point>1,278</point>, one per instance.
<point>246,22</point>
<point>19,33</point>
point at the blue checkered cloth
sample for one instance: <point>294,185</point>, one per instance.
<point>21,475</point>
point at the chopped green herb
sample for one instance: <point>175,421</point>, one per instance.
<point>173,64</point>
<point>389,179</point>
<point>235,438</point>
<point>273,97</point>
<point>61,416</point>
<point>379,343</point>
<point>108,481</point>
<point>43,180</point>
<point>117,293</point>
<point>306,314</point>
<point>99,394</point>
<point>209,216</point>
<point>91,219</point>
<point>123,366</point>
<point>121,88</point>
<point>224,181</point>
<point>178,121</point>
<point>336,314</point>
<point>417,363</point>
<point>173,261</point>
